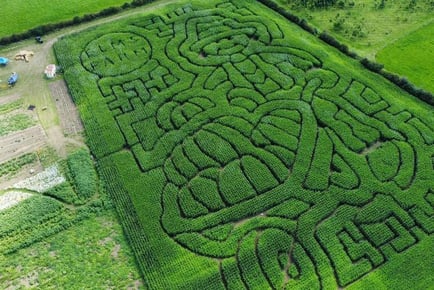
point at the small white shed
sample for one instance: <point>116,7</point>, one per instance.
<point>50,71</point>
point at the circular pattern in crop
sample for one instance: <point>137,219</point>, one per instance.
<point>115,53</point>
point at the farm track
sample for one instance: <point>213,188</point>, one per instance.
<point>69,118</point>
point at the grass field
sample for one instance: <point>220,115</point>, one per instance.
<point>20,15</point>
<point>95,246</point>
<point>241,152</point>
<point>364,26</point>
<point>399,35</point>
<point>412,56</point>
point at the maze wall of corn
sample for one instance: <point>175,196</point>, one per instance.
<point>242,152</point>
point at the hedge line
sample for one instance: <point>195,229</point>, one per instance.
<point>373,66</point>
<point>50,27</point>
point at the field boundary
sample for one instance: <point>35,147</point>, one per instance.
<point>400,81</point>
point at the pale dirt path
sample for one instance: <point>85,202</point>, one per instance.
<point>69,118</point>
<point>9,99</point>
<point>11,198</point>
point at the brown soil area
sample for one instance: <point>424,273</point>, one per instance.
<point>69,118</point>
<point>21,142</point>
<point>9,99</point>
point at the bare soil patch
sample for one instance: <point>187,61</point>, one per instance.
<point>21,142</point>
<point>115,251</point>
<point>11,198</point>
<point>25,172</point>
<point>136,285</point>
<point>69,118</point>
<point>9,99</point>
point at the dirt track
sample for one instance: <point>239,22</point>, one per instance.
<point>69,118</point>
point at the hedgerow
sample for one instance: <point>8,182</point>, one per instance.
<point>242,152</point>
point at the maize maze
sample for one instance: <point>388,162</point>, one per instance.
<point>264,155</point>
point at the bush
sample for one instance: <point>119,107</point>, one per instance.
<point>84,178</point>
<point>334,42</point>
<point>291,17</point>
<point>371,65</point>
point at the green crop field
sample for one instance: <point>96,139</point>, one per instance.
<point>95,245</point>
<point>412,56</point>
<point>53,208</point>
<point>243,153</point>
<point>21,15</point>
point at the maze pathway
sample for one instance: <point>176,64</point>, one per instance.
<point>259,154</point>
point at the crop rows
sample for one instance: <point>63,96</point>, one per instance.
<point>284,169</point>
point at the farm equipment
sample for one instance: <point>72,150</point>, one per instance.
<point>13,79</point>
<point>24,55</point>
<point>3,61</point>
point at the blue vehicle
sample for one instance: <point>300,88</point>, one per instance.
<point>13,79</point>
<point>3,60</point>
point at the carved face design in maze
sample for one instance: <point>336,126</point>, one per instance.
<point>276,166</point>
<point>116,54</point>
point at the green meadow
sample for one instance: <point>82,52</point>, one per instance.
<point>397,34</point>
<point>20,15</point>
<point>412,56</point>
